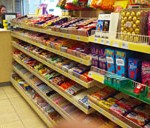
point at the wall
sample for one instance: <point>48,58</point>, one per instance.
<point>8,4</point>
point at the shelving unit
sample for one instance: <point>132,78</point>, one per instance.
<point>121,121</point>
<point>70,98</point>
<point>58,52</point>
<point>64,114</point>
<point>138,47</point>
<point>49,122</point>
<point>79,81</point>
<point>50,32</point>
<point>97,77</point>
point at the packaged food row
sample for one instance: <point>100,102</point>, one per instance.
<point>123,63</point>
<point>78,70</point>
<point>78,26</point>
<point>123,105</point>
<point>41,103</point>
<point>75,48</point>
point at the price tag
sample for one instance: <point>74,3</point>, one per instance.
<point>113,119</point>
<point>96,39</point>
<point>125,45</point>
<point>100,110</point>
<point>108,42</point>
<point>68,36</point>
<point>62,35</point>
<point>43,47</point>
<point>115,44</point>
<point>78,37</point>
<point>102,41</point>
<point>81,61</point>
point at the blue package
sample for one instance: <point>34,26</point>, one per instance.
<point>121,63</point>
<point>110,58</point>
<point>134,69</point>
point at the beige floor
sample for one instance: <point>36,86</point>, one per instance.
<point>15,112</point>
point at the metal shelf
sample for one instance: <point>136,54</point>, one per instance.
<point>70,98</point>
<point>79,81</point>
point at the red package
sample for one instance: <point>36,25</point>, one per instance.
<point>137,118</point>
<point>128,103</point>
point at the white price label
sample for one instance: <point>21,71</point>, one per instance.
<point>125,45</point>
<point>115,44</point>
<point>102,41</point>
<point>68,36</point>
<point>113,119</point>
<point>100,110</point>
<point>78,37</point>
<point>107,42</point>
<point>61,35</point>
<point>95,39</point>
<point>43,47</point>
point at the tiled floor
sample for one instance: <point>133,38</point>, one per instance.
<point>15,112</point>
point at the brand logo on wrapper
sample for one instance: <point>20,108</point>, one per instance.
<point>109,60</point>
<point>120,62</point>
<point>132,66</point>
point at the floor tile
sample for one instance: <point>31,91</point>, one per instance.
<point>15,112</point>
<point>15,124</point>
<point>6,107</point>
<point>10,91</point>
<point>6,118</point>
<point>33,123</point>
<point>2,94</point>
<point>22,108</point>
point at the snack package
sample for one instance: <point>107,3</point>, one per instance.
<point>143,109</point>
<point>121,63</point>
<point>118,109</point>
<point>146,73</point>
<point>102,59</point>
<point>137,118</point>
<point>134,69</point>
<point>133,22</point>
<point>129,103</point>
<point>110,58</point>
<point>147,125</point>
<point>148,28</point>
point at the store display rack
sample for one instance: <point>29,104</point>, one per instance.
<point>79,81</point>
<point>58,52</point>
<point>50,32</point>
<point>121,121</point>
<point>99,75</point>
<point>49,122</point>
<point>64,114</point>
<point>139,47</point>
<point>70,98</point>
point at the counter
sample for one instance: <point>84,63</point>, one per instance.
<point>5,55</point>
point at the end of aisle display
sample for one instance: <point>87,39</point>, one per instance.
<point>100,65</point>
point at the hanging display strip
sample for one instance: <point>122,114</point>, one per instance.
<point>72,99</point>
<point>104,77</point>
<point>58,52</point>
<point>46,98</point>
<point>121,121</point>
<point>49,122</point>
<point>79,81</point>
<point>139,47</point>
<point>54,33</point>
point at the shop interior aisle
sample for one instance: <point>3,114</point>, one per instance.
<point>15,112</point>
